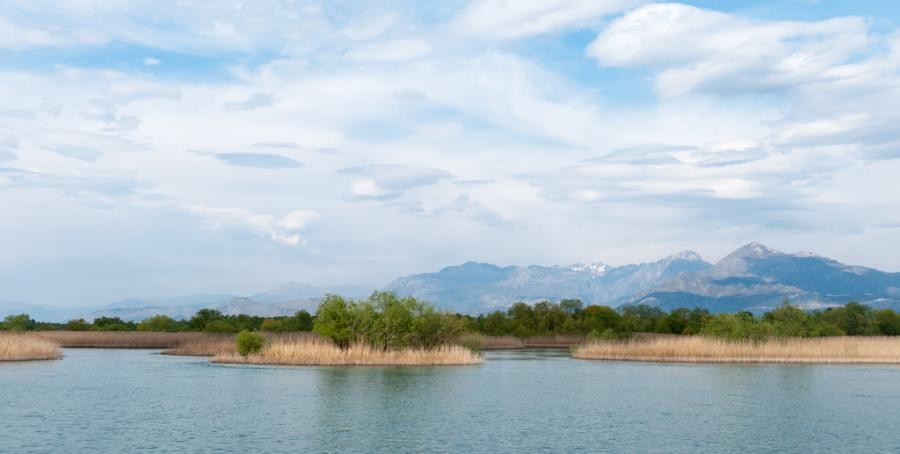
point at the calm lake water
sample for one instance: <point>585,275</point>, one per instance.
<point>137,400</point>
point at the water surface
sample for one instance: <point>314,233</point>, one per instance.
<point>528,400</point>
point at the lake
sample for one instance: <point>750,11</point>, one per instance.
<point>526,400</point>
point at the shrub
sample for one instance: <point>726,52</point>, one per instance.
<point>249,342</point>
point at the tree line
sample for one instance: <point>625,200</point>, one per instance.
<point>387,321</point>
<point>205,320</point>
<point>572,317</point>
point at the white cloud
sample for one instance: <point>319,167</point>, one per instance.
<point>698,49</point>
<point>507,19</point>
<point>390,51</point>
<point>432,133</point>
<point>285,230</point>
<point>150,61</point>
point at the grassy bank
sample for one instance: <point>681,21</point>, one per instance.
<point>484,342</point>
<point>320,353</point>
<point>699,349</point>
<point>25,347</point>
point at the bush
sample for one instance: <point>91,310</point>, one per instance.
<point>249,342</point>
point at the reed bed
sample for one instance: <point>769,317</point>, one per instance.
<point>698,349</point>
<point>225,344</point>
<point>485,342</point>
<point>322,353</point>
<point>26,347</point>
<point>125,339</point>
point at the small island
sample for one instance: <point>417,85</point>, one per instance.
<point>384,330</point>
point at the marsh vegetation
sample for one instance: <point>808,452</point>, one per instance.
<point>324,353</point>
<point>24,347</point>
<point>705,349</point>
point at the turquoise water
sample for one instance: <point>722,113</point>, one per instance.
<point>517,401</point>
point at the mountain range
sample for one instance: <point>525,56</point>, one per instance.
<point>753,278</point>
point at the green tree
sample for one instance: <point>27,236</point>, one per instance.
<point>20,322</point>
<point>334,321</point>
<point>199,321</point>
<point>77,325</point>
<point>159,323</point>
<point>219,326</point>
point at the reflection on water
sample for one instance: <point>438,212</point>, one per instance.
<point>522,400</point>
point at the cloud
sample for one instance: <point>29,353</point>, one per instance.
<point>257,160</point>
<point>505,19</point>
<point>77,152</point>
<point>255,101</point>
<point>390,181</point>
<point>84,188</point>
<point>285,230</point>
<point>390,51</point>
<point>694,49</point>
<point>150,61</point>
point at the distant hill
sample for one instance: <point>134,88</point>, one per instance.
<point>481,287</point>
<point>285,299</point>
<point>757,278</point>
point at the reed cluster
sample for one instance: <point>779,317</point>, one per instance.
<point>125,339</point>
<point>323,353</point>
<point>485,342</point>
<point>700,349</point>
<point>213,345</point>
<point>25,347</point>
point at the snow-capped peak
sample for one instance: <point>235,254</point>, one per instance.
<point>595,268</point>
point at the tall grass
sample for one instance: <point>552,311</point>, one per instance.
<point>486,342</point>
<point>323,353</point>
<point>225,344</point>
<point>699,349</point>
<point>125,339</point>
<point>25,347</point>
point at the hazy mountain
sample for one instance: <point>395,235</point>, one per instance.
<point>294,291</point>
<point>285,299</point>
<point>757,278</point>
<point>480,287</point>
<point>40,312</point>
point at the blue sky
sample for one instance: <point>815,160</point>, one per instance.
<point>177,147</point>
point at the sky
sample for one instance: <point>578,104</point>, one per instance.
<point>164,148</point>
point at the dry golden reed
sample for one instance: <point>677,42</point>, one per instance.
<point>699,349</point>
<point>225,344</point>
<point>511,342</point>
<point>126,339</point>
<point>25,347</point>
<point>321,353</point>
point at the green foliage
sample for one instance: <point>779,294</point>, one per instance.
<point>333,320</point>
<point>159,323</point>
<point>385,321</point>
<point>203,317</point>
<point>112,324</point>
<point>77,325</point>
<point>20,322</point>
<point>219,326</point>
<point>249,342</point>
